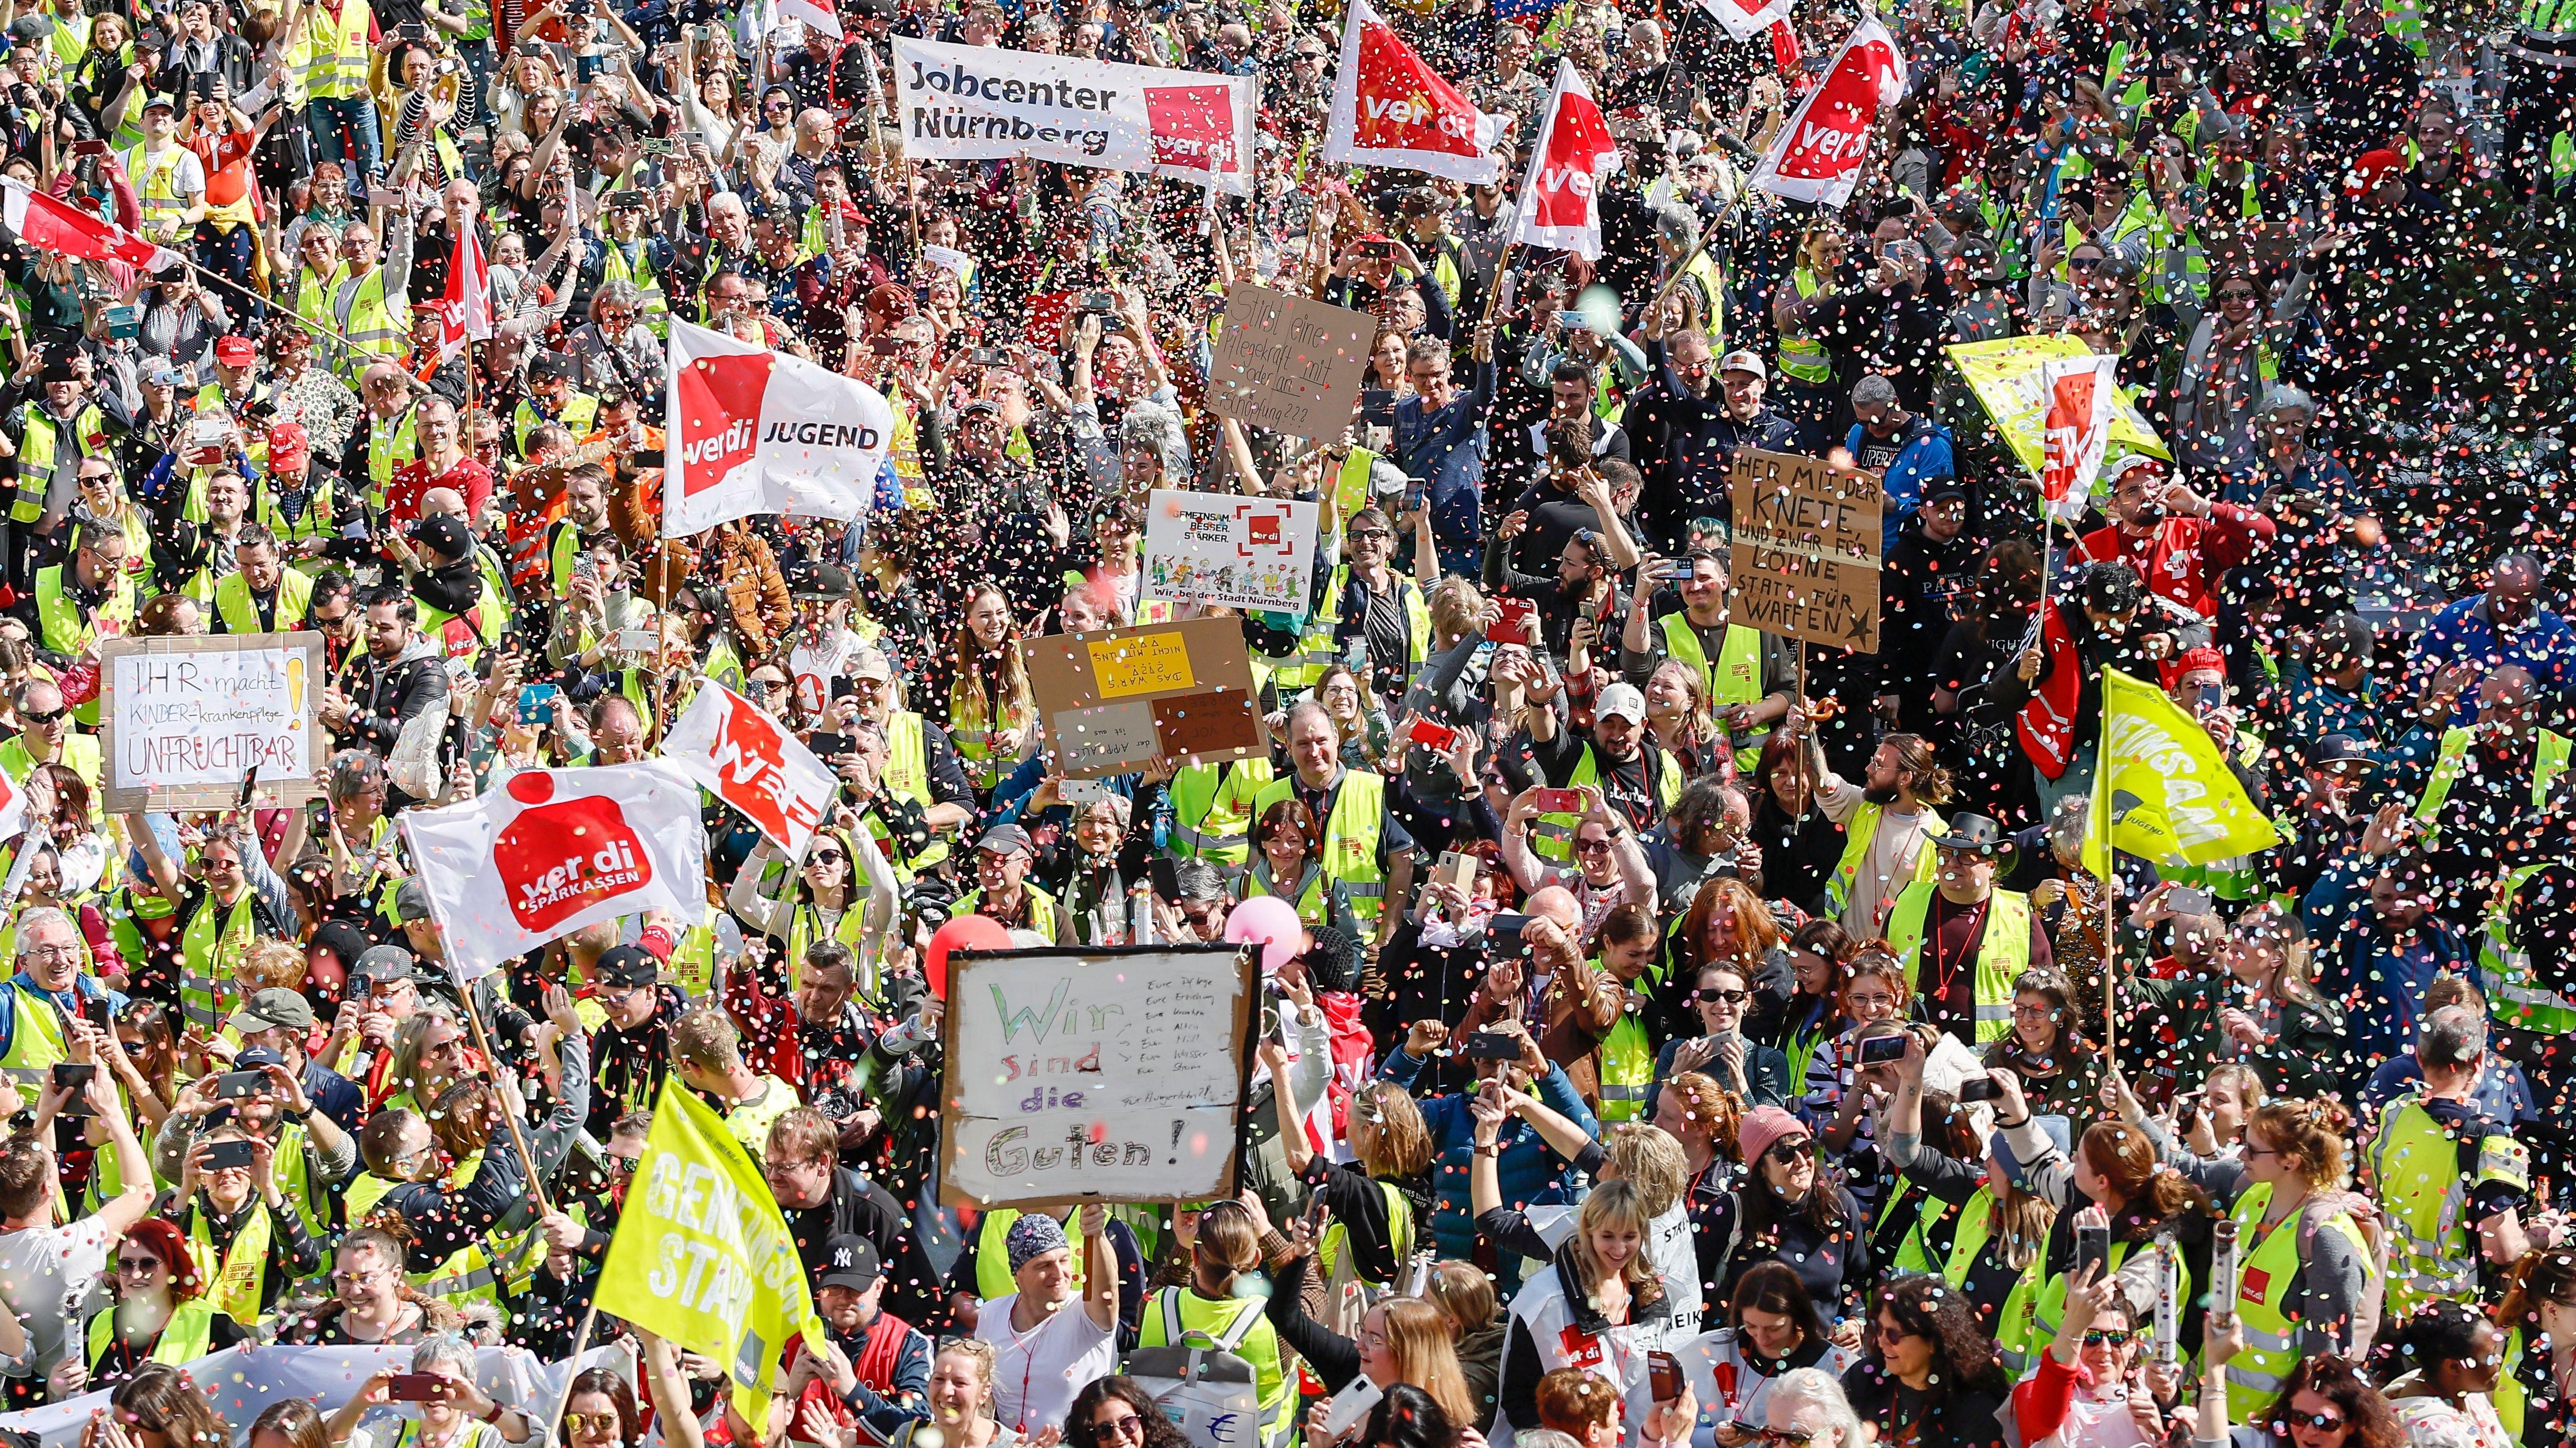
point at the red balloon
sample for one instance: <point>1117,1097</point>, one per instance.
<point>966,932</point>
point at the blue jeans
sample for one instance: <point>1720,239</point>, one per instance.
<point>363,142</point>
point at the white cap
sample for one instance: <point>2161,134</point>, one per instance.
<point>1623,700</point>
<point>1743,360</point>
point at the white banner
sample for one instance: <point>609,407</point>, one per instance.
<point>741,756</point>
<point>979,103</point>
<point>756,431</point>
<point>548,851</point>
<point>187,719</point>
<point>244,1382</point>
<point>1217,548</point>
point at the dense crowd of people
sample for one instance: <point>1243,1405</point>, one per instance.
<point>1725,1037</point>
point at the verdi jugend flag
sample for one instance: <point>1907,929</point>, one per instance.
<point>2162,789</point>
<point>702,1256</point>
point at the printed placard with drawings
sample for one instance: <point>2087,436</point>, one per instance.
<point>1288,363</point>
<point>1806,550</point>
<point>1114,699</point>
<point>1111,1075</point>
<point>185,719</point>
<point>1220,548</point>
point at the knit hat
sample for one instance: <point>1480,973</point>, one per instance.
<point>1762,1127</point>
<point>1036,1234</point>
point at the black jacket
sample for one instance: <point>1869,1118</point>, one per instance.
<point>1684,447</point>
<point>384,696</point>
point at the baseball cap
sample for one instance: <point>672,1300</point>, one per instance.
<point>1006,840</point>
<point>156,99</point>
<point>1743,360</point>
<point>411,901</point>
<point>870,663</point>
<point>1949,487</point>
<point>385,962</point>
<point>443,535</point>
<point>273,1007</point>
<point>2333,749</point>
<point>289,447</point>
<point>851,1261</point>
<point>629,965</point>
<point>256,1057</point>
<point>1622,700</point>
<point>235,350</point>
<point>554,366</point>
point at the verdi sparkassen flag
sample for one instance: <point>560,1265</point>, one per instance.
<point>2161,789</point>
<point>702,1256</point>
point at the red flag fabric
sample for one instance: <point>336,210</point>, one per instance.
<point>1818,156</point>
<point>465,311</point>
<point>47,223</point>
<point>1560,196</point>
<point>1391,109</point>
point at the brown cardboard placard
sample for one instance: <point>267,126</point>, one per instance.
<point>184,719</point>
<point>1805,559</point>
<point>1115,1075</point>
<point>1111,699</point>
<point>1289,363</point>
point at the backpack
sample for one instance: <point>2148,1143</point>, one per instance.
<point>1212,1394</point>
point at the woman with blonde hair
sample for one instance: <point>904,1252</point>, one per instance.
<point>1962,1215</point>
<point>1401,1340</point>
<point>1376,1200</point>
<point>1596,1304</point>
<point>992,711</point>
<point>1228,1245</point>
<point>844,891</point>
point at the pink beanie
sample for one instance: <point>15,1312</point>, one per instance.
<point>1761,1127</point>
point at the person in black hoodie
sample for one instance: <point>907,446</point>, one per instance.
<point>1930,1377</point>
<point>444,580</point>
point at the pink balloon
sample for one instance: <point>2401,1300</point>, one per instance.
<point>1271,921</point>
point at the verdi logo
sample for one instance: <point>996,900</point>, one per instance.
<point>719,416</point>
<point>559,857</point>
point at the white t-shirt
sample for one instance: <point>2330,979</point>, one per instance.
<point>50,1277</point>
<point>814,665</point>
<point>1037,1373</point>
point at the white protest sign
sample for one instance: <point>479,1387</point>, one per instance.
<point>187,719</point>
<point>1219,548</point>
<point>1109,1075</point>
<point>980,103</point>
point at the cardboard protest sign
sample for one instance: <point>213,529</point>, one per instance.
<point>1222,548</point>
<point>1112,700</point>
<point>1114,1075</point>
<point>742,756</point>
<point>1289,364</point>
<point>185,720</point>
<point>1806,554</point>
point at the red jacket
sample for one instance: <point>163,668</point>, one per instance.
<point>2183,558</point>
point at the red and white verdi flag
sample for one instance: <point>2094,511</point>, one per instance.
<point>813,15</point>
<point>47,223</point>
<point>1561,195</point>
<point>553,850</point>
<point>2079,392</point>
<point>1817,156</point>
<point>1745,19</point>
<point>741,756</point>
<point>1391,109</point>
<point>756,431</point>
<point>465,309</point>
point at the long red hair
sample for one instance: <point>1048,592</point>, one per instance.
<point>164,1239</point>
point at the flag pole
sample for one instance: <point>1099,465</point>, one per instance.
<point>272,304</point>
<point>2110,887</point>
<point>518,1138</point>
<point>572,1365</point>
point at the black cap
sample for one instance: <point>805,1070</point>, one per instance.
<point>821,580</point>
<point>443,535</point>
<point>384,962</point>
<point>629,965</point>
<point>2329,749</point>
<point>256,1057</point>
<point>345,941</point>
<point>1974,832</point>
<point>851,1262</point>
<point>554,365</point>
<point>28,29</point>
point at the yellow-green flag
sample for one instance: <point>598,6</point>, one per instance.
<point>2162,789</point>
<point>702,1256</point>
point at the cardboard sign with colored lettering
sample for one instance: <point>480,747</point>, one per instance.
<point>1111,700</point>
<point>1806,553</point>
<point>1108,1075</point>
<point>1289,363</point>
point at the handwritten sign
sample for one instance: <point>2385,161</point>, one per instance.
<point>1288,363</point>
<point>1806,551</point>
<point>1113,1076</point>
<point>1217,548</point>
<point>1114,699</point>
<point>185,720</point>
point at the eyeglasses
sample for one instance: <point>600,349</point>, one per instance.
<point>1125,1425</point>
<point>2323,1422</point>
<point>42,716</point>
<point>1364,535</point>
<point>2109,1337</point>
<point>137,1266</point>
<point>580,1423</point>
<point>1711,995</point>
<point>2033,1013</point>
<point>1800,1436</point>
<point>2084,263</point>
<point>1890,1332</point>
<point>1785,1152</point>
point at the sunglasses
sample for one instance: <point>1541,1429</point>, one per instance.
<point>2109,1337</point>
<point>1712,995</point>
<point>1785,1152</point>
<point>2323,1422</point>
<point>1591,847</point>
<point>825,857</point>
<point>579,1423</point>
<point>2236,294</point>
<point>1124,1426</point>
<point>1752,1433</point>
<point>37,716</point>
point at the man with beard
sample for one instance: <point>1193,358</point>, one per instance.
<point>879,1370</point>
<point>1686,440</point>
<point>815,1037</point>
<point>1887,822</point>
<point>2181,543</point>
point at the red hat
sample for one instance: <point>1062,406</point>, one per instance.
<point>2203,657</point>
<point>288,447</point>
<point>235,350</point>
<point>2369,169</point>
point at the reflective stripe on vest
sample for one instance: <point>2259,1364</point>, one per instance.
<point>1860,835</point>
<point>2269,1275</point>
<point>2547,765</point>
<point>2514,997</point>
<point>1804,359</point>
<point>1552,835</point>
<point>2003,952</point>
<point>1735,678</point>
<point>1350,836</point>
